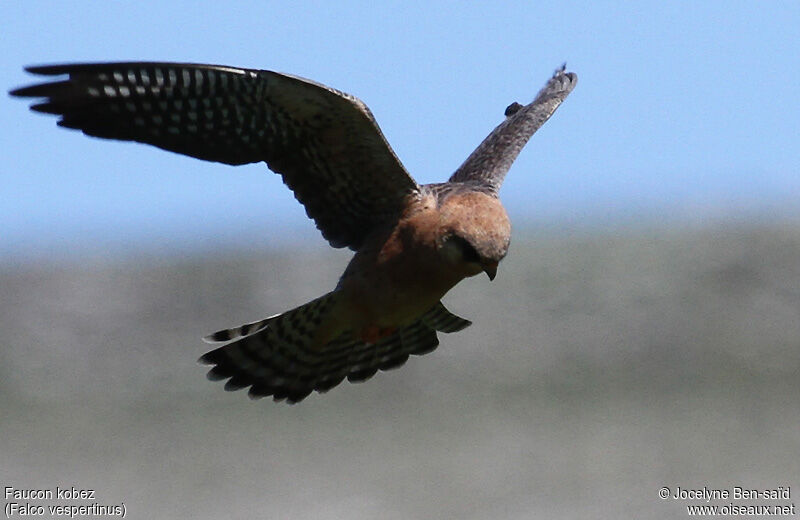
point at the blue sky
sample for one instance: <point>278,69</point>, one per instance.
<point>683,110</point>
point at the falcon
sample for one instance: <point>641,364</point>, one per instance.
<point>412,242</point>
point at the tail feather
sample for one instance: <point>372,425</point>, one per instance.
<point>274,356</point>
<point>225,335</point>
<point>439,318</point>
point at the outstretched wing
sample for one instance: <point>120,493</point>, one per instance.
<point>273,357</point>
<point>325,144</point>
<point>490,162</point>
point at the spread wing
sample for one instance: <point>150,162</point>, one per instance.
<point>490,162</point>
<point>325,144</point>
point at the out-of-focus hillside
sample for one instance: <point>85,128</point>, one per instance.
<point>599,368</point>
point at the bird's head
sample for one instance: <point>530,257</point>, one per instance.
<point>475,233</point>
<point>464,256</point>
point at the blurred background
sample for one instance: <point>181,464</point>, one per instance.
<point>643,331</point>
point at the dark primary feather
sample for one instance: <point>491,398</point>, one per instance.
<point>490,162</point>
<point>276,360</point>
<point>325,144</point>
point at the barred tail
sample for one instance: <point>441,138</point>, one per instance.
<point>274,356</point>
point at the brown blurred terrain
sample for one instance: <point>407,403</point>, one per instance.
<point>600,367</point>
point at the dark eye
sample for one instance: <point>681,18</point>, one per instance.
<point>468,252</point>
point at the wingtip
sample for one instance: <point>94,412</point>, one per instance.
<point>220,336</point>
<point>562,82</point>
<point>58,69</point>
<point>461,326</point>
<point>47,70</point>
<point>34,69</point>
<point>209,358</point>
<point>27,91</point>
<point>562,71</point>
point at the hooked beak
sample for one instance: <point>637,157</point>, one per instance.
<point>490,268</point>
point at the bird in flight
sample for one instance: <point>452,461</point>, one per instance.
<point>412,242</point>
